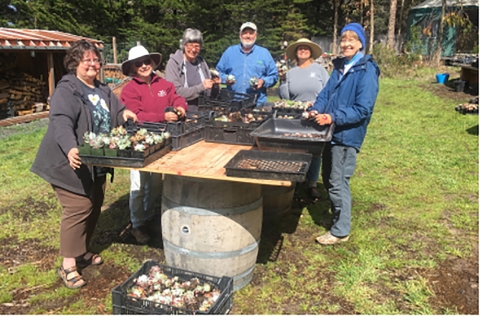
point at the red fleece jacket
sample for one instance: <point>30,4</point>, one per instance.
<point>149,101</point>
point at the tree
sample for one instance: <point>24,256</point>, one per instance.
<point>372,25</point>
<point>336,5</point>
<point>438,53</point>
<point>391,24</point>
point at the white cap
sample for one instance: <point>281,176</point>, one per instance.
<point>249,25</point>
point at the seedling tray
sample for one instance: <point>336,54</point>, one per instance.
<point>129,162</point>
<point>292,135</point>
<point>269,165</point>
<point>123,304</point>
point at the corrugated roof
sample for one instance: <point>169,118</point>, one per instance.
<point>40,39</point>
<point>450,3</point>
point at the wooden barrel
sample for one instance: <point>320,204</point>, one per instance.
<point>277,201</point>
<point>212,227</point>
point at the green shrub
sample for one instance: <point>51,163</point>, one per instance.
<point>393,65</point>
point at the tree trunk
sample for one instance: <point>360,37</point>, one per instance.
<point>399,30</point>
<point>391,24</point>
<point>361,12</point>
<point>335,25</point>
<point>438,54</point>
<point>372,25</point>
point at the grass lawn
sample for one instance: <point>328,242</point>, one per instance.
<point>413,247</point>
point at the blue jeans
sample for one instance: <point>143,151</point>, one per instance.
<point>337,168</point>
<point>314,171</point>
<point>145,188</point>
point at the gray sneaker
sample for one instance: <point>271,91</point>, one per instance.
<point>140,235</point>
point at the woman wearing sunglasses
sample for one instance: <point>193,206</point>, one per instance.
<point>188,70</point>
<point>147,95</point>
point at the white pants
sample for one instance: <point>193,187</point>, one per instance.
<point>145,189</point>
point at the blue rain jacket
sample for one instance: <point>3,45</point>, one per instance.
<point>350,100</point>
<point>258,62</point>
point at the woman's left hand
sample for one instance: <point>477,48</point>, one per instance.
<point>129,114</point>
<point>181,110</point>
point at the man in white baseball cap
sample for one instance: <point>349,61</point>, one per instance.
<point>252,66</point>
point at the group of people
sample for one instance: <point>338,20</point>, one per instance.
<point>81,103</point>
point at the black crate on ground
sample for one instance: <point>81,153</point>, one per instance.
<point>123,304</point>
<point>187,139</point>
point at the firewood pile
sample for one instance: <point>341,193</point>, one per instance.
<point>22,92</point>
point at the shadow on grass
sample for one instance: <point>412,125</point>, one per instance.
<point>473,130</point>
<point>273,229</point>
<point>114,227</point>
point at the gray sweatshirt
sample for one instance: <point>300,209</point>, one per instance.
<point>175,73</point>
<point>303,84</point>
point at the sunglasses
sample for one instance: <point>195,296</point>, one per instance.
<point>145,62</point>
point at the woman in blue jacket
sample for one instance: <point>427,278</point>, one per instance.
<point>347,101</point>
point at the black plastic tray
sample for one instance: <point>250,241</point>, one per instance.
<point>269,165</point>
<point>123,304</point>
<point>194,120</point>
<point>227,100</point>
<point>271,136</point>
<point>187,139</point>
<point>125,161</point>
<point>233,135</point>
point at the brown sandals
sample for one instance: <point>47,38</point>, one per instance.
<point>94,260</point>
<point>75,281</point>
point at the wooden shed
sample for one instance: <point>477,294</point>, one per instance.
<point>31,64</point>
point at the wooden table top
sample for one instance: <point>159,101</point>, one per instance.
<point>203,160</point>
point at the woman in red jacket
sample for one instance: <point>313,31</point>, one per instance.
<point>147,95</point>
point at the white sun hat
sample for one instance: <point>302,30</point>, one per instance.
<point>138,52</point>
<point>292,49</point>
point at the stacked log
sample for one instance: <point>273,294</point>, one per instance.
<point>22,92</point>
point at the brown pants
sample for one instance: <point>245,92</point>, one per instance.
<point>79,218</point>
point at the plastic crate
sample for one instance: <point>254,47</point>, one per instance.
<point>234,135</point>
<point>187,139</point>
<point>193,121</point>
<point>227,100</point>
<point>153,127</point>
<point>123,304</point>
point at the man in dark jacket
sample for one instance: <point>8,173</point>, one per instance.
<point>346,101</point>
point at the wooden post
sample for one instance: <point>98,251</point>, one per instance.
<point>51,73</point>
<point>114,47</point>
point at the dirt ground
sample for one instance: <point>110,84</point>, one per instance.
<point>454,282</point>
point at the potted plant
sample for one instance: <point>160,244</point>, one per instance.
<point>97,144</point>
<point>149,140</point>
<point>85,149</point>
<point>111,148</point>
<point>140,150</point>
<point>124,145</point>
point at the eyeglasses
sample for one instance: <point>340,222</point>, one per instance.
<point>145,62</point>
<point>90,61</point>
<point>193,46</point>
<point>348,41</point>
